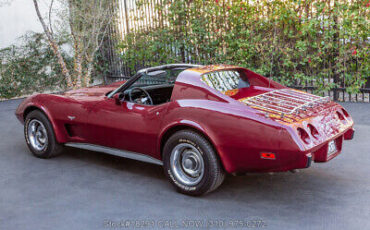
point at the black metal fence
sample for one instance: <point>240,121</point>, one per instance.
<point>131,18</point>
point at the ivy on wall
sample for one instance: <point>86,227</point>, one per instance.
<point>321,43</point>
<point>30,67</point>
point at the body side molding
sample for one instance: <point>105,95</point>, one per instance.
<point>115,152</point>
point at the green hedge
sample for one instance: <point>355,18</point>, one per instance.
<point>312,42</point>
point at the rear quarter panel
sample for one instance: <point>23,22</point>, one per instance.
<point>237,134</point>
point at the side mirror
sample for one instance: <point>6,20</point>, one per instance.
<point>118,98</point>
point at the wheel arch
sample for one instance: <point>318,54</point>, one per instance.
<point>168,132</point>
<point>31,108</point>
<point>58,135</point>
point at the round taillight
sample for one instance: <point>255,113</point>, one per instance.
<point>313,131</point>
<point>345,112</point>
<point>340,116</point>
<point>304,135</point>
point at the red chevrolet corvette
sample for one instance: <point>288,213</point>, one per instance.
<point>199,122</point>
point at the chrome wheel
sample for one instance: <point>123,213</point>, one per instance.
<point>37,135</point>
<point>187,164</point>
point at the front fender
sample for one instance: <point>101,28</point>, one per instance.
<point>36,103</point>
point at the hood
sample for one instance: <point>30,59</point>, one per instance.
<point>98,90</point>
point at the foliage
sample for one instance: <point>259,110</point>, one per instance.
<point>297,42</point>
<point>87,23</point>
<point>30,67</point>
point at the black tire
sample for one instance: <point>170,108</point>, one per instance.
<point>52,147</point>
<point>213,174</point>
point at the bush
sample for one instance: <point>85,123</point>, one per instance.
<point>308,43</point>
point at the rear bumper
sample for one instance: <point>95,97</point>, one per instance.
<point>349,134</point>
<point>288,160</point>
<point>320,155</point>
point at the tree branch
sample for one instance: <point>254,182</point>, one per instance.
<point>54,46</point>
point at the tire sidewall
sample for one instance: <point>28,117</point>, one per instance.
<point>37,115</point>
<point>203,149</point>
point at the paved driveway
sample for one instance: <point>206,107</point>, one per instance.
<point>88,190</point>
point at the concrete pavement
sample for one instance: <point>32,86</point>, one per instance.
<point>88,190</point>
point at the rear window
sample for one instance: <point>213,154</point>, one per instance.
<point>224,81</point>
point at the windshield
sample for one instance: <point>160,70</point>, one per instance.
<point>159,77</point>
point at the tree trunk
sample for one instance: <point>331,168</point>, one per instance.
<point>78,69</point>
<point>54,46</point>
<point>87,77</point>
<point>77,60</point>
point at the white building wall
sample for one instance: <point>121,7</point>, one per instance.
<point>18,17</point>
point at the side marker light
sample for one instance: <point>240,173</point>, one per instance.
<point>269,156</point>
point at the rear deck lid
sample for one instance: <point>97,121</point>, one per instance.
<point>287,105</point>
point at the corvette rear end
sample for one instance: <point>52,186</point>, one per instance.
<point>318,126</point>
<point>276,128</point>
<point>313,129</point>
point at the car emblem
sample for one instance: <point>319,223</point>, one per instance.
<point>71,118</point>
